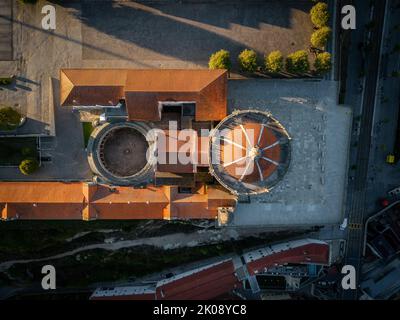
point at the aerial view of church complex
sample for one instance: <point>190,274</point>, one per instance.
<point>137,174</point>
<point>191,150</point>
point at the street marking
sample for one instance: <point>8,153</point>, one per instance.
<point>355,225</point>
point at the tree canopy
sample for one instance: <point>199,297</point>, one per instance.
<point>319,15</point>
<point>220,60</point>
<point>9,118</point>
<point>320,37</point>
<point>322,63</point>
<point>248,60</point>
<point>297,62</point>
<point>28,166</point>
<point>274,62</point>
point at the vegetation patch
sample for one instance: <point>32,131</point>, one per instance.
<point>5,81</point>
<point>38,239</point>
<point>274,62</point>
<point>220,60</point>
<point>319,15</point>
<point>248,60</point>
<point>10,119</point>
<point>297,62</point>
<point>322,63</point>
<point>87,128</point>
<point>86,268</point>
<point>320,37</point>
<point>28,166</point>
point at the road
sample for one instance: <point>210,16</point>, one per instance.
<point>357,189</point>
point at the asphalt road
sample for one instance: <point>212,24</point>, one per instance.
<point>357,210</point>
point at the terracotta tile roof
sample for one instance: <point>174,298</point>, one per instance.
<point>254,134</point>
<point>199,284</point>
<point>41,200</point>
<point>41,192</point>
<point>91,86</point>
<point>143,89</point>
<point>56,200</point>
<point>219,280</point>
<point>316,252</point>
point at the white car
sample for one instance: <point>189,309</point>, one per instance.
<point>343,226</point>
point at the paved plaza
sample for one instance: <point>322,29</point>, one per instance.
<point>313,189</point>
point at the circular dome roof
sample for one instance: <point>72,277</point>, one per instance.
<point>249,152</point>
<point>121,153</point>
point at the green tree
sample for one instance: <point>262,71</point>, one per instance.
<point>28,166</point>
<point>320,37</point>
<point>5,81</point>
<point>248,60</point>
<point>319,15</point>
<point>322,63</point>
<point>297,62</point>
<point>9,118</point>
<point>274,62</point>
<point>220,60</point>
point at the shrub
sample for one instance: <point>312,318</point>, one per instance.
<point>319,15</point>
<point>274,62</point>
<point>28,166</point>
<point>9,118</point>
<point>5,81</point>
<point>220,60</point>
<point>322,63</point>
<point>297,62</point>
<point>320,37</point>
<point>248,60</point>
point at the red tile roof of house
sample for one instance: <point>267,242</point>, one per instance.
<point>199,284</point>
<point>218,280</point>
<point>296,252</point>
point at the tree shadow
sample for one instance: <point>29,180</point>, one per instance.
<point>31,127</point>
<point>18,83</point>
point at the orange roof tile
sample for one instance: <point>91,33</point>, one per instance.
<point>202,284</point>
<point>143,89</point>
<point>57,200</point>
<point>41,192</point>
<point>91,86</point>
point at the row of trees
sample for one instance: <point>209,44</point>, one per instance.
<point>319,16</point>
<point>296,62</point>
